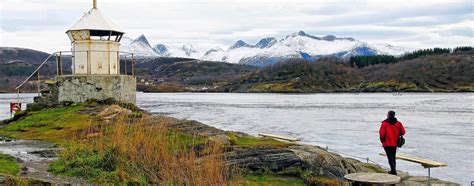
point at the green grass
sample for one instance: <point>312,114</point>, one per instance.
<point>9,165</point>
<point>273,87</point>
<point>374,168</point>
<point>291,176</point>
<point>250,141</point>
<point>82,158</point>
<point>183,140</point>
<point>392,84</point>
<point>271,180</point>
<point>85,162</point>
<point>55,124</point>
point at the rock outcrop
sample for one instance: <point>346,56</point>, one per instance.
<point>311,160</point>
<point>263,158</point>
<point>48,98</point>
<point>325,163</point>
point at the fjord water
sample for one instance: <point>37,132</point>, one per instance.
<point>439,126</point>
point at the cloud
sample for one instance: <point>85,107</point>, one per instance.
<point>415,23</point>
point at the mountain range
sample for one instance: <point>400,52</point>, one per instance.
<point>422,70</point>
<point>268,50</point>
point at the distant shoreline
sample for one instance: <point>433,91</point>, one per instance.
<point>322,92</point>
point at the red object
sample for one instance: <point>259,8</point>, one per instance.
<point>389,133</point>
<point>15,106</point>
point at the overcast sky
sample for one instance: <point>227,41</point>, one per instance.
<point>42,24</point>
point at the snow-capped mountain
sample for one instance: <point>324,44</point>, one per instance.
<point>239,44</point>
<point>161,49</point>
<point>266,42</point>
<point>213,54</point>
<point>270,50</point>
<point>186,51</point>
<point>139,46</point>
<point>301,45</point>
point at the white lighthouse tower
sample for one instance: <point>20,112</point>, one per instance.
<point>96,72</point>
<point>95,44</point>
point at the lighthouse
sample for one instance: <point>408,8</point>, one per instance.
<point>96,71</point>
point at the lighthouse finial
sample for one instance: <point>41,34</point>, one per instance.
<point>94,3</point>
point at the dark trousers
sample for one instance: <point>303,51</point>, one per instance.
<point>391,152</point>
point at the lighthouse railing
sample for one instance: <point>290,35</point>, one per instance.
<point>126,58</point>
<point>36,71</point>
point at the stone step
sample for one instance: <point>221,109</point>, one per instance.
<point>49,82</point>
<point>39,99</point>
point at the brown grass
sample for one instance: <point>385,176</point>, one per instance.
<point>147,152</point>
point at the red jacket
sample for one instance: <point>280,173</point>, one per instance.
<point>389,133</point>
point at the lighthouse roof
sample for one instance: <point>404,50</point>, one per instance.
<point>95,20</point>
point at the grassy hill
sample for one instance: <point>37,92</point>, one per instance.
<point>436,72</point>
<point>182,72</point>
<point>297,75</point>
<point>11,55</point>
<point>443,72</point>
<point>17,63</point>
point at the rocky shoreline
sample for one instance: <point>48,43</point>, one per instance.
<point>309,157</point>
<point>287,159</point>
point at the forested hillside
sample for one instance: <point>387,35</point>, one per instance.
<point>364,61</point>
<point>442,72</point>
<point>426,73</point>
<point>298,75</point>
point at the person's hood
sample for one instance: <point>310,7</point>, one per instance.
<point>391,120</point>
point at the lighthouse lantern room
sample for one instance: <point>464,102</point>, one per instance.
<point>95,41</point>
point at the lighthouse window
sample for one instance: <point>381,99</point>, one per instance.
<point>105,35</point>
<point>119,37</point>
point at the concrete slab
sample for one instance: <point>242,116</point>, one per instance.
<point>373,178</point>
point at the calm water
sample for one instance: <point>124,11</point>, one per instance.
<point>439,126</point>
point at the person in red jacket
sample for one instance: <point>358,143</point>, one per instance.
<point>390,130</point>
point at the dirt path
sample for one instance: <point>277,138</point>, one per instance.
<point>34,158</point>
